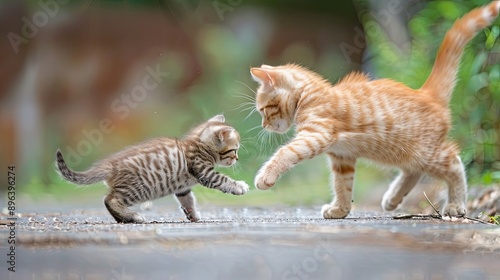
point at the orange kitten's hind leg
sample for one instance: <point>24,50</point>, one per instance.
<point>399,188</point>
<point>447,166</point>
<point>343,179</point>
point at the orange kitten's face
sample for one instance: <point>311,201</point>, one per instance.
<point>272,116</point>
<point>273,99</point>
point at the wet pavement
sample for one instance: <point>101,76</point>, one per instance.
<point>248,243</point>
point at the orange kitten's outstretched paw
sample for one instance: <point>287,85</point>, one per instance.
<point>334,212</point>
<point>263,181</point>
<point>261,184</point>
<point>455,210</point>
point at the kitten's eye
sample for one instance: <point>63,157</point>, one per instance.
<point>271,112</point>
<point>269,109</point>
<point>228,152</point>
<point>265,110</point>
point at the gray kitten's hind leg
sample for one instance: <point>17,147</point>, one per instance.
<point>118,208</point>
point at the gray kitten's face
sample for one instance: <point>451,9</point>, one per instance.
<point>224,139</point>
<point>228,146</point>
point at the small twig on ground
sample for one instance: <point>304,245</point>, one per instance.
<point>431,216</point>
<point>420,216</point>
<point>432,205</point>
<point>477,220</point>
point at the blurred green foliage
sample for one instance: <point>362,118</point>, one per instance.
<point>475,103</point>
<point>226,87</point>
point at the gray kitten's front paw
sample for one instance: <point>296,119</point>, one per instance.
<point>240,188</point>
<point>191,214</point>
<point>236,188</point>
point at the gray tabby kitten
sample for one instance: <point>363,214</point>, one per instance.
<point>164,166</point>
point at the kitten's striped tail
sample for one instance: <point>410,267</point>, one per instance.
<point>442,79</point>
<point>91,176</point>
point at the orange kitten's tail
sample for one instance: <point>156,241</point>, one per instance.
<point>442,79</point>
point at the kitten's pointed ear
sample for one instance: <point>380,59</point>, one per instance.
<point>224,134</point>
<point>218,118</point>
<point>263,76</point>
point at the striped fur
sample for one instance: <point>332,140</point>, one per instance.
<point>381,120</point>
<point>164,166</point>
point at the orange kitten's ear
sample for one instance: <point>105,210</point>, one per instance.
<point>263,76</point>
<point>218,118</point>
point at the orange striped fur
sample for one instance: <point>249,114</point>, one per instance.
<point>381,120</point>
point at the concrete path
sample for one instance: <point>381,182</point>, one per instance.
<point>248,243</point>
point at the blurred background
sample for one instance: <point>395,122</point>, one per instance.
<point>93,76</point>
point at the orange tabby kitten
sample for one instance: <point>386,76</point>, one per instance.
<point>381,120</point>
